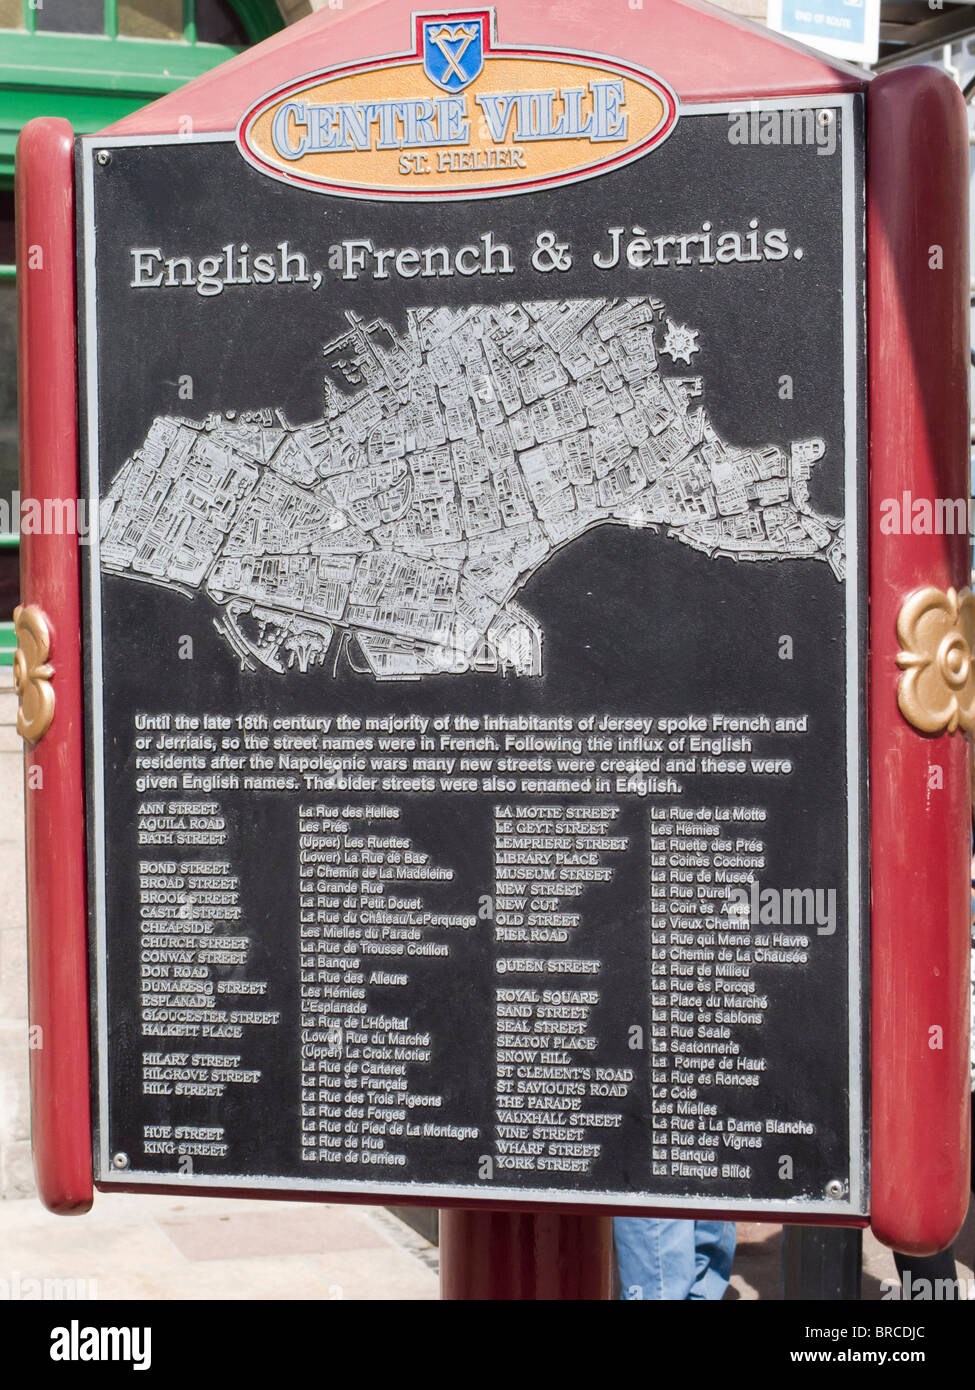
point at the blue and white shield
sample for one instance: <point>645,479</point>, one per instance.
<point>453,52</point>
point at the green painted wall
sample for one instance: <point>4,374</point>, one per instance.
<point>95,80</point>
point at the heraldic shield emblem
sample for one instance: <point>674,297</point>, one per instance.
<point>453,51</point>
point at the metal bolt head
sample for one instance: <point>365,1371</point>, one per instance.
<point>103,157</point>
<point>120,1160</point>
<point>835,1188</point>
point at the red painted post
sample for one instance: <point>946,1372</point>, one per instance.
<point>499,1256</point>
<point>54,766</point>
<point>918,343</point>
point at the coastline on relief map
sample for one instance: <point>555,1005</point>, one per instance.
<point>450,463</point>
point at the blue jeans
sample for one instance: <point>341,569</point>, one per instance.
<point>673,1259</point>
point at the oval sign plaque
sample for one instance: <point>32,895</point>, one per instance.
<point>458,117</point>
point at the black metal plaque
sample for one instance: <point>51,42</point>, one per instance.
<point>474,641</point>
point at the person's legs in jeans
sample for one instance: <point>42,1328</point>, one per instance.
<point>714,1250</point>
<point>673,1260</point>
<point>656,1258</point>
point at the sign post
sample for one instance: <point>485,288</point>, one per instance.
<point>475,628</point>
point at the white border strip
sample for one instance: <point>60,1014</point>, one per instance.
<point>854,314</point>
<point>430,1193</point>
<point>95,684</point>
<point>855,1203</point>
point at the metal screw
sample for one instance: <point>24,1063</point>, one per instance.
<point>120,1161</point>
<point>835,1188</point>
<point>103,157</point>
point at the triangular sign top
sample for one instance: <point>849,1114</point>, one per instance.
<point>701,52</point>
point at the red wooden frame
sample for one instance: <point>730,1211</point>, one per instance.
<point>917,148</point>
<point>54,767</point>
<point>918,345</point>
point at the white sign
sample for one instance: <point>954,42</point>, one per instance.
<point>843,28</point>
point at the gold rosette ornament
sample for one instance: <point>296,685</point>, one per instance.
<point>937,632</point>
<point>32,673</point>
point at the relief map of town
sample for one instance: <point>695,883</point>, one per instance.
<point>474,637</point>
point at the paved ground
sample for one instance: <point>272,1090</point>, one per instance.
<point>208,1248</point>
<point>202,1248</point>
<point>15,1167</point>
